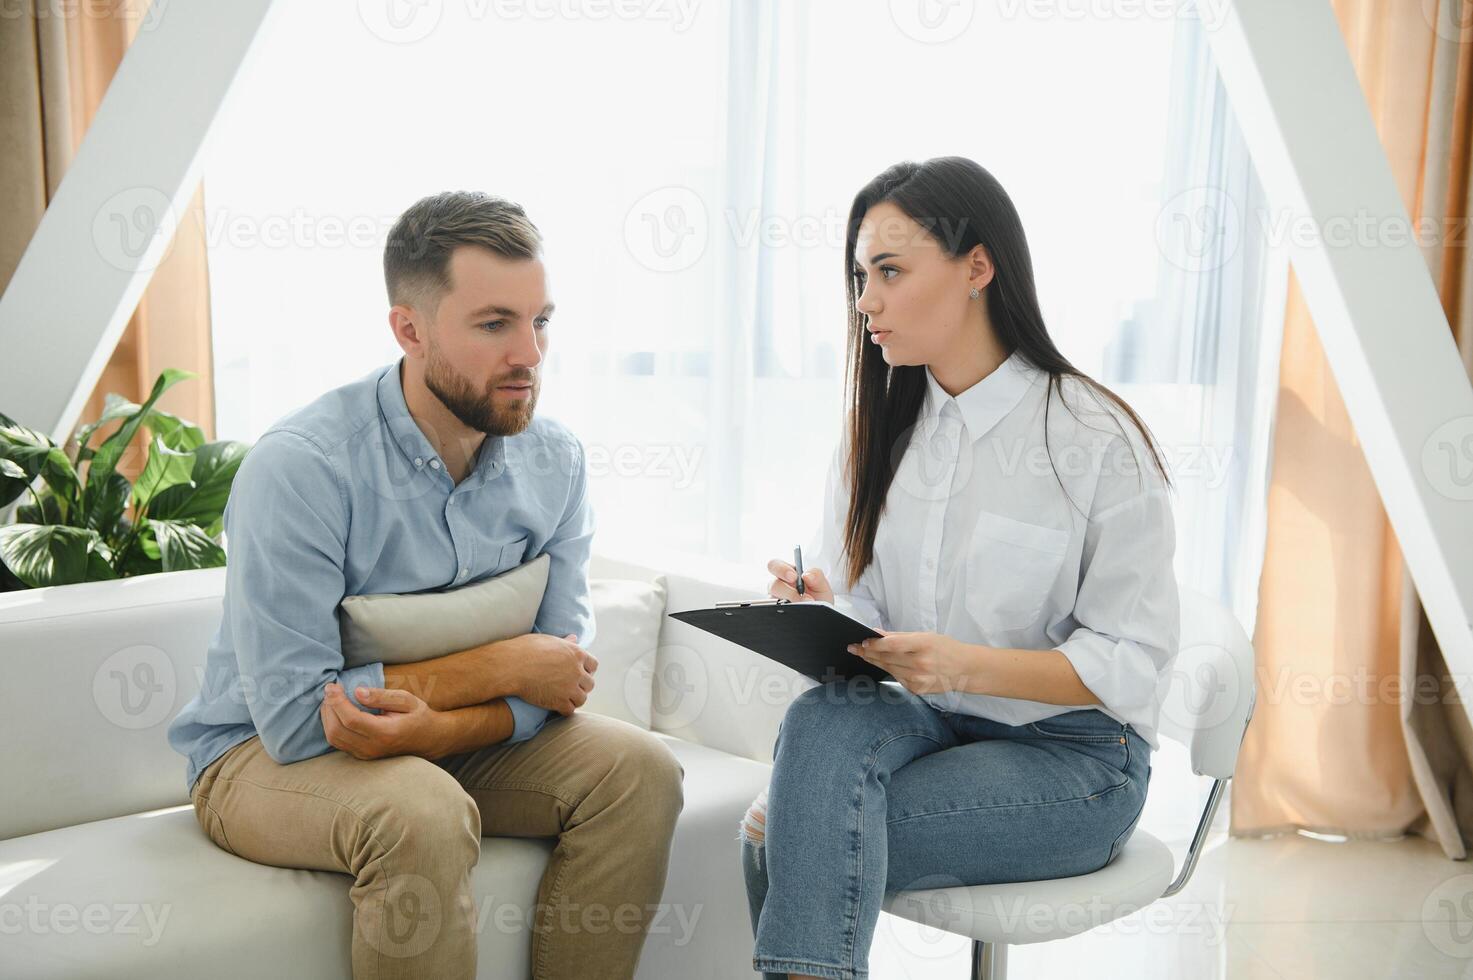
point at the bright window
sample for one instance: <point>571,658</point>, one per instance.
<point>691,166</point>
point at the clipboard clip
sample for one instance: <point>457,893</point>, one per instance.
<point>732,603</point>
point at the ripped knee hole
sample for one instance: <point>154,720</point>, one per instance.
<point>754,824</point>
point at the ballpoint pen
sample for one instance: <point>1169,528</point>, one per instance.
<point>798,563</point>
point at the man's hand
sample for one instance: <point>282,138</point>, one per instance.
<point>923,663</point>
<point>552,672</point>
<point>407,727</point>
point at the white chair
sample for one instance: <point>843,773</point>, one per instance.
<point>1207,696</point>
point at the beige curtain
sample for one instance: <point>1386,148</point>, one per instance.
<point>56,61</point>
<point>1358,730</point>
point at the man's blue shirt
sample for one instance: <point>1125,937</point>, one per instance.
<point>347,497</point>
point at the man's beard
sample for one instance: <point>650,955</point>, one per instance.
<point>479,410</point>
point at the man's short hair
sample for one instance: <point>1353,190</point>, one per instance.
<point>417,255</point>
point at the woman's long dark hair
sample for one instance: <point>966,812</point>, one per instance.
<point>962,206</point>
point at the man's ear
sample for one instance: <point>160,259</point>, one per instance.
<point>409,329</point>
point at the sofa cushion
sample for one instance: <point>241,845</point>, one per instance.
<point>627,628</point>
<point>150,895</point>
<point>108,664</point>
<point>711,691</point>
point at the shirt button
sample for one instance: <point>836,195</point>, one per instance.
<point>434,464</point>
<point>930,563</point>
<point>419,461</point>
<point>465,571</point>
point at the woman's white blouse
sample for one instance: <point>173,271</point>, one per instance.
<point>979,541</point>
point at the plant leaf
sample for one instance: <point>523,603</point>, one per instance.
<point>36,455</point>
<point>143,557</point>
<point>114,406</point>
<point>176,433</point>
<point>32,454</point>
<point>147,542</point>
<point>10,488</point>
<point>185,546</point>
<point>215,466</point>
<point>138,563</point>
<point>165,468</point>
<point>49,512</point>
<point>103,506</point>
<point>42,555</point>
<point>26,448</point>
<point>21,438</point>
<point>57,471</point>
<point>105,460</point>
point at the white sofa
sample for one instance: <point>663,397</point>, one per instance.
<point>104,871</point>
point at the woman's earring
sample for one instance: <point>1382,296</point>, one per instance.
<point>974,294</point>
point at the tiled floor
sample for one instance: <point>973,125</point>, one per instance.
<point>1287,907</point>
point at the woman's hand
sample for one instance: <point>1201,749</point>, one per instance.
<point>785,586</point>
<point>923,663</point>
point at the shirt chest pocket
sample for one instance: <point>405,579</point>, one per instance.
<point>511,555</point>
<point>1010,567</point>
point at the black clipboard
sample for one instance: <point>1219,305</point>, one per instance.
<point>810,637</point>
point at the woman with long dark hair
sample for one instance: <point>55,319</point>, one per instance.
<point>1005,521</point>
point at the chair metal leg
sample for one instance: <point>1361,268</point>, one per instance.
<point>989,961</point>
<point>1219,786</point>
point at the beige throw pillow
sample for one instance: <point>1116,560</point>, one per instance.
<point>405,629</point>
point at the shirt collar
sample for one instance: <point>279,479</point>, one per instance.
<point>985,403</point>
<point>411,440</point>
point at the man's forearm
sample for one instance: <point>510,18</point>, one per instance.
<point>474,727</point>
<point>458,680</point>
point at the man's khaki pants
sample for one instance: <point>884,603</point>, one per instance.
<point>409,831</point>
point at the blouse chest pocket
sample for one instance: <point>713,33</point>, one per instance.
<point>1010,567</point>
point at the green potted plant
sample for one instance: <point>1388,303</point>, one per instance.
<point>88,522</point>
